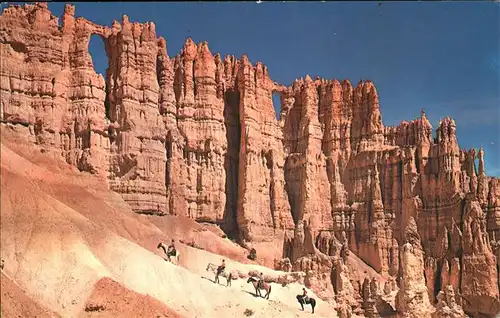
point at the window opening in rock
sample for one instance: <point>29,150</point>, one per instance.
<point>476,165</point>
<point>98,54</point>
<point>434,135</point>
<point>277,104</point>
<point>99,61</point>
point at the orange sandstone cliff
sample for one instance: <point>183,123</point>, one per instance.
<point>196,135</point>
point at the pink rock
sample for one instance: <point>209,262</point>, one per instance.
<point>197,135</point>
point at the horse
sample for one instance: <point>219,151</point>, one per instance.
<point>263,285</point>
<point>168,259</point>
<point>311,301</point>
<point>214,268</point>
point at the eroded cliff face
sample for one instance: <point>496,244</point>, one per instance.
<point>197,135</point>
<point>412,299</point>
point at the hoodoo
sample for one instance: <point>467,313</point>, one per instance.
<point>196,135</point>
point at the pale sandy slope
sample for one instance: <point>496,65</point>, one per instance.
<point>15,302</point>
<point>62,231</point>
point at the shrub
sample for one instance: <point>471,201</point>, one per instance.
<point>252,255</point>
<point>248,312</point>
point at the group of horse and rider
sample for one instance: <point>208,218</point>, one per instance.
<point>257,281</point>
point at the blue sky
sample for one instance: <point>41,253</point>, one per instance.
<point>441,56</point>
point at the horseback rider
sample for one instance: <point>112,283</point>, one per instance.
<point>221,268</point>
<point>260,278</point>
<point>171,251</point>
<point>304,295</point>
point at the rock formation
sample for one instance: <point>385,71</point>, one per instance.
<point>412,299</point>
<point>374,304</point>
<point>196,135</point>
<point>448,306</point>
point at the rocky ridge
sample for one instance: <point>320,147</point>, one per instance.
<point>196,135</point>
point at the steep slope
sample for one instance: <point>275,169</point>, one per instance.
<point>63,231</point>
<point>110,299</point>
<point>15,302</point>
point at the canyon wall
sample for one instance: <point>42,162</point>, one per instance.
<point>197,135</point>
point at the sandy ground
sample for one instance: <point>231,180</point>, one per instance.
<point>15,302</point>
<point>111,299</point>
<point>63,231</point>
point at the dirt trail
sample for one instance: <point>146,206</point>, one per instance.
<point>62,231</point>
